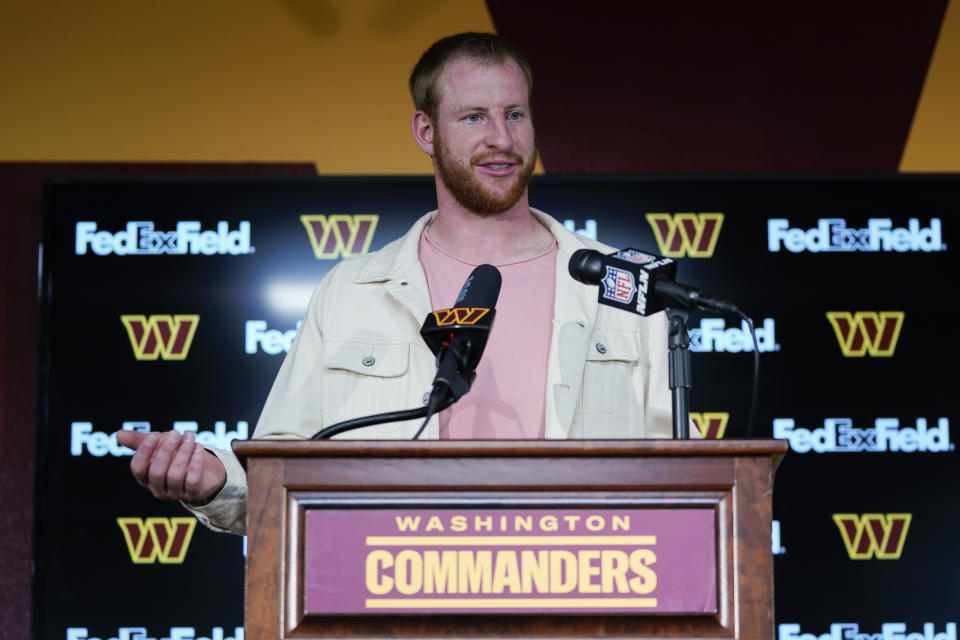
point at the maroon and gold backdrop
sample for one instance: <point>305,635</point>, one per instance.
<point>621,87</point>
<point>171,304</point>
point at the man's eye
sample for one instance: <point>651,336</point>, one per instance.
<point>514,115</point>
<point>473,117</point>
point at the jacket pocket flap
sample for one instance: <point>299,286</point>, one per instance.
<point>620,346</point>
<point>383,360</point>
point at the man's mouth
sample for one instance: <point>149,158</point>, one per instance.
<point>498,166</point>
<point>497,162</point>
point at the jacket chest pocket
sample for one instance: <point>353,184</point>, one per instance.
<point>609,381</point>
<point>365,378</point>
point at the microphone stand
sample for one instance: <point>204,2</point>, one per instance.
<point>679,372</point>
<point>380,418</point>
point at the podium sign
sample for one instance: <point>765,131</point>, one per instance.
<point>499,561</point>
<point>547,539</point>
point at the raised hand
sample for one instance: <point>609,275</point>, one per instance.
<point>174,466</point>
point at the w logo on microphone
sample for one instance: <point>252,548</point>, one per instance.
<point>160,336</point>
<point>163,540</point>
<point>711,425</point>
<point>340,235</point>
<point>459,315</point>
<point>873,535</point>
<point>866,332</point>
<point>686,234</point>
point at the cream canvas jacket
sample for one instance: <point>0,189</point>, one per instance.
<point>359,352</point>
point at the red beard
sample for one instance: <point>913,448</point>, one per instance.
<point>470,192</point>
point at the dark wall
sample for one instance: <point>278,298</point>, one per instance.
<point>644,87</point>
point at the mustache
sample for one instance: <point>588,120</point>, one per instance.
<point>511,157</point>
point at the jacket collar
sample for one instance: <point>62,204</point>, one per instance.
<point>398,258</point>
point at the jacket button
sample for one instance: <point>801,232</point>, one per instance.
<point>426,397</point>
<point>368,361</point>
<point>600,348</point>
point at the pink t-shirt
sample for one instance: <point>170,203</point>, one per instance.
<point>507,400</point>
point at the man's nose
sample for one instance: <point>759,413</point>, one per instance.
<point>498,134</point>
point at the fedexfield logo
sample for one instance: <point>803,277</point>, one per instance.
<point>838,435</point>
<point>713,335</point>
<point>163,540</point>
<point>867,332</point>
<point>711,425</point>
<point>589,229</point>
<point>140,633</point>
<point>873,535</point>
<point>888,631</point>
<point>98,443</point>
<point>776,547</point>
<point>160,336</point>
<point>257,337</point>
<point>340,235</point>
<point>140,238</point>
<point>833,234</point>
<point>692,235</point>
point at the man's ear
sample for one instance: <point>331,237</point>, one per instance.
<point>422,127</point>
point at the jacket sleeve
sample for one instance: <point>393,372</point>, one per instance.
<point>227,512</point>
<point>292,410</point>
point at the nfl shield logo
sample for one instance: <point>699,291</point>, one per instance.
<point>639,257</point>
<point>618,285</point>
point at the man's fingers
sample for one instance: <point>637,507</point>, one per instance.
<point>205,477</point>
<point>132,439</point>
<point>160,464</point>
<point>194,491</point>
<point>174,467</point>
<point>177,470</point>
<point>195,470</point>
<point>140,464</point>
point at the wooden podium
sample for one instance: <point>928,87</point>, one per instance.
<point>711,500</point>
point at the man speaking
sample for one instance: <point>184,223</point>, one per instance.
<point>556,365</point>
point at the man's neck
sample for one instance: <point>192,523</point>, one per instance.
<point>498,238</point>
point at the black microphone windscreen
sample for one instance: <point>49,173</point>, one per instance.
<point>481,289</point>
<point>586,266</point>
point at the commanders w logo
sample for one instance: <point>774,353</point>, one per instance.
<point>167,337</point>
<point>163,540</point>
<point>873,534</point>
<point>711,425</point>
<point>686,234</point>
<point>866,332</point>
<point>459,315</point>
<point>340,235</point>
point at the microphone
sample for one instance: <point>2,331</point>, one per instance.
<point>457,336</point>
<point>640,282</point>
